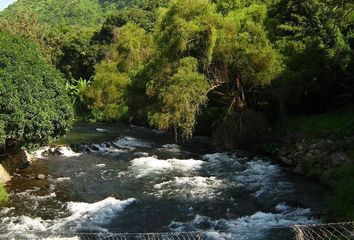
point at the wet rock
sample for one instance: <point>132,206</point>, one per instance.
<point>316,152</point>
<point>286,160</point>
<point>26,159</point>
<point>102,130</point>
<point>41,177</point>
<point>116,196</point>
<point>297,170</point>
<point>339,159</point>
<point>4,175</point>
<point>54,152</point>
<point>95,148</point>
<point>298,154</point>
<point>300,147</point>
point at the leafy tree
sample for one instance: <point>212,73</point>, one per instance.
<point>134,47</point>
<point>244,58</point>
<point>77,58</point>
<point>2,133</point>
<point>225,6</point>
<point>187,28</point>
<point>26,24</point>
<point>309,35</point>
<point>185,36</point>
<point>34,107</point>
<point>106,93</point>
<point>244,62</point>
<point>180,98</point>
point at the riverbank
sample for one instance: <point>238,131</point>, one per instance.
<point>321,147</point>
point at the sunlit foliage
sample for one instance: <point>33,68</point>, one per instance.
<point>34,107</point>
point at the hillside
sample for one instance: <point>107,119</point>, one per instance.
<point>87,13</point>
<point>81,13</point>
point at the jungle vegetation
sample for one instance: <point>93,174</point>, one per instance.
<point>227,68</point>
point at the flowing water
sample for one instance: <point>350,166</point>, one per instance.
<point>132,179</point>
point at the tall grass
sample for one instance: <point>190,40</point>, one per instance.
<point>335,124</point>
<point>3,194</point>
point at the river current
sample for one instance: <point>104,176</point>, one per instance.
<point>130,179</point>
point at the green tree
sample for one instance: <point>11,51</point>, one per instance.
<point>244,62</point>
<point>180,99</point>
<point>134,47</point>
<point>185,36</point>
<point>309,34</point>
<point>107,95</point>
<point>34,107</point>
<point>187,28</point>
<point>244,58</point>
<point>78,57</point>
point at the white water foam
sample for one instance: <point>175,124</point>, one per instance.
<point>83,216</point>
<point>99,213</point>
<point>217,163</point>
<point>131,143</point>
<point>219,157</point>
<point>68,152</point>
<point>103,148</point>
<point>28,195</point>
<point>39,153</point>
<point>251,173</point>
<point>62,179</point>
<point>102,130</point>
<point>61,238</point>
<point>262,177</point>
<point>62,151</point>
<point>172,148</point>
<point>151,166</point>
<point>253,227</point>
<point>194,188</point>
<point>102,165</point>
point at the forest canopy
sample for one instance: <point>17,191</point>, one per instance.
<point>182,64</point>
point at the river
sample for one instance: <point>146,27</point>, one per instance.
<point>131,179</point>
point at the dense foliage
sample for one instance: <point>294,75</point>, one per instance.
<point>224,67</point>
<point>34,107</point>
<point>164,62</point>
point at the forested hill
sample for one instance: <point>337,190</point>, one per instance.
<point>88,13</point>
<point>235,61</point>
<point>73,13</point>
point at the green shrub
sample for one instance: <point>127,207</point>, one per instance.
<point>341,203</point>
<point>3,193</point>
<point>105,96</point>
<point>336,124</point>
<point>34,106</point>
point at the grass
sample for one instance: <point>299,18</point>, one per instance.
<point>3,194</point>
<point>341,203</point>
<point>335,124</point>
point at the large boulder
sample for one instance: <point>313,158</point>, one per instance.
<point>4,175</point>
<point>25,159</point>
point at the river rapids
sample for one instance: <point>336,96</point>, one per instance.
<point>132,179</point>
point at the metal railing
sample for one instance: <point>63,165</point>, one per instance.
<point>331,231</point>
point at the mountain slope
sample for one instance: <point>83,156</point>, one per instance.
<point>83,13</point>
